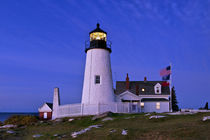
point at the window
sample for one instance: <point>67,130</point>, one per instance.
<point>158,105</point>
<point>142,104</point>
<point>157,90</point>
<point>142,89</point>
<point>97,79</point>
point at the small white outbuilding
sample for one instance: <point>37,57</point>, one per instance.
<point>45,111</point>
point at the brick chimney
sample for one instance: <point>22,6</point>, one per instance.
<point>137,89</point>
<point>127,82</point>
<point>145,79</point>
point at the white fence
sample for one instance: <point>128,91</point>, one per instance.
<point>69,109</point>
<point>93,109</point>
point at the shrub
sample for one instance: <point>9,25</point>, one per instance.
<point>65,119</point>
<point>21,120</point>
<point>1,123</point>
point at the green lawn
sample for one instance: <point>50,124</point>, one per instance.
<point>138,127</point>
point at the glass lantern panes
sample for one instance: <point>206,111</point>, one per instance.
<point>97,36</point>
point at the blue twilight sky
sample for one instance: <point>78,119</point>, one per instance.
<point>42,47</point>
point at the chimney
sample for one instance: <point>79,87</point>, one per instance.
<point>127,82</point>
<point>56,103</point>
<point>145,79</point>
<point>137,89</point>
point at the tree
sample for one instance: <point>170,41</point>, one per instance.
<point>206,106</point>
<point>174,100</point>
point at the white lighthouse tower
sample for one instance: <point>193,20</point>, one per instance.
<point>98,84</point>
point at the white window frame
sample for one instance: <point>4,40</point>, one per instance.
<point>157,105</point>
<point>157,87</point>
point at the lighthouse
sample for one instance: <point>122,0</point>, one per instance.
<point>98,84</point>
<point>98,95</point>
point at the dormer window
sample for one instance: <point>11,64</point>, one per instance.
<point>157,88</point>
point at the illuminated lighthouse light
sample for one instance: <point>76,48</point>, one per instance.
<point>97,36</point>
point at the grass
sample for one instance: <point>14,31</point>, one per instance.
<point>138,126</point>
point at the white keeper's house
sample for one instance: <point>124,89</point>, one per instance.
<point>99,95</point>
<point>144,96</point>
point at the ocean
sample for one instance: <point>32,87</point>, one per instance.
<point>6,115</point>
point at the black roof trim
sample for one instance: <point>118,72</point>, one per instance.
<point>130,100</point>
<point>109,49</point>
<point>50,105</point>
<point>153,99</point>
<point>98,29</point>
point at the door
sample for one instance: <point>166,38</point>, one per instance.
<point>134,108</point>
<point>45,115</point>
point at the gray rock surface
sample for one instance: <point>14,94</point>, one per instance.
<point>105,114</point>
<point>112,130</point>
<point>37,135</point>
<point>156,117</point>
<point>124,132</point>
<point>205,118</point>
<point>107,119</point>
<point>74,134</point>
<point>8,126</point>
<point>10,131</point>
<point>70,120</point>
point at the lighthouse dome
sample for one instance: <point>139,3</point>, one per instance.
<point>98,34</point>
<point>98,29</point>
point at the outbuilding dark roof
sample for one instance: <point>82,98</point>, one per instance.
<point>50,105</point>
<point>137,86</point>
<point>98,29</point>
<point>153,99</point>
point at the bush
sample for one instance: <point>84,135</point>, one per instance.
<point>21,120</point>
<point>1,123</point>
<point>65,119</point>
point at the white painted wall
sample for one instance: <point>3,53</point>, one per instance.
<point>98,63</point>
<point>70,110</point>
<point>148,106</point>
<point>56,103</point>
<point>151,107</point>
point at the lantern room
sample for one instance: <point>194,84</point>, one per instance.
<point>98,39</point>
<point>98,34</point>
